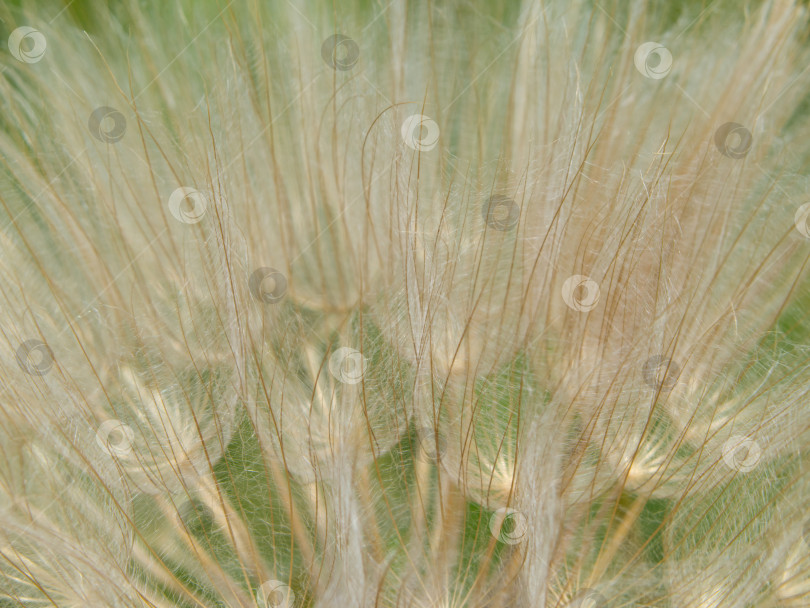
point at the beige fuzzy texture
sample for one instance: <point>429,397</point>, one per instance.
<point>464,333</point>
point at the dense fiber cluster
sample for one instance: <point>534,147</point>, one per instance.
<point>407,304</point>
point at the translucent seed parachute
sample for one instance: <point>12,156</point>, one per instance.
<point>407,304</point>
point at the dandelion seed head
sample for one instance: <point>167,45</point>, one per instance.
<point>403,305</point>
